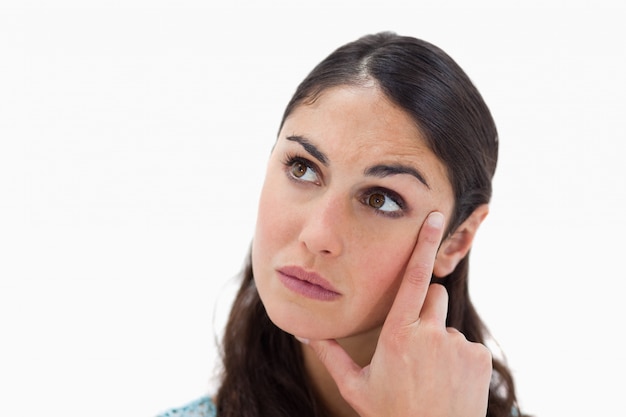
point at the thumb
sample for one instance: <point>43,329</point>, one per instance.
<point>344,371</point>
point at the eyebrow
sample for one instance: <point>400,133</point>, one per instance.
<point>380,170</point>
<point>310,148</point>
<point>383,170</point>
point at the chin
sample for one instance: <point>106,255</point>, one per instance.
<point>305,325</point>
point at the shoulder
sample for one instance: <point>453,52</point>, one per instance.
<point>202,407</point>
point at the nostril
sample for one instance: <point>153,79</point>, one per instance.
<point>320,241</point>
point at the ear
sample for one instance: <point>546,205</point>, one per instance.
<point>455,247</point>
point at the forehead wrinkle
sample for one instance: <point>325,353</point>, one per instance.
<point>406,157</point>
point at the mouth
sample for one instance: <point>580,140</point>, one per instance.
<point>307,284</point>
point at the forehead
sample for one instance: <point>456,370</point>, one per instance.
<point>361,125</point>
<point>363,114</point>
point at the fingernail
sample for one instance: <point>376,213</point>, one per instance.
<point>302,340</point>
<point>435,219</point>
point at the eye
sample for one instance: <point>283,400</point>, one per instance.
<point>301,170</point>
<point>298,169</point>
<point>384,202</point>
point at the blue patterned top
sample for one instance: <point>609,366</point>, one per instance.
<point>202,407</point>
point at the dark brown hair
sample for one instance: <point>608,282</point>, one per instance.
<point>263,371</point>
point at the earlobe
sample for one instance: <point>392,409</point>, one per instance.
<point>456,246</point>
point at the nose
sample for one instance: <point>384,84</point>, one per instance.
<point>324,225</point>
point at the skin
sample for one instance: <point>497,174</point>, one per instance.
<point>324,213</point>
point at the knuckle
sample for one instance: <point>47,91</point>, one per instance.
<point>420,273</point>
<point>432,328</point>
<point>431,239</point>
<point>399,336</point>
<point>482,356</point>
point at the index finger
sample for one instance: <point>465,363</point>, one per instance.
<point>414,286</point>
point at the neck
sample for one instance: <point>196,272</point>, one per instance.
<point>361,349</point>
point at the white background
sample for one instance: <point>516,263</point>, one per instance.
<point>133,140</point>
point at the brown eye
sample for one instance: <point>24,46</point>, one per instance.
<point>298,169</point>
<point>385,202</point>
<point>376,200</point>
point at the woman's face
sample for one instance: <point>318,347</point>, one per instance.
<point>348,186</point>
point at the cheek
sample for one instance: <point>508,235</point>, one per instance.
<point>273,226</point>
<point>264,223</point>
<point>382,267</point>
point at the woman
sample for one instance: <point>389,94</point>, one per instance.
<point>376,186</point>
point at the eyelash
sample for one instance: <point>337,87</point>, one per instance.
<point>291,159</point>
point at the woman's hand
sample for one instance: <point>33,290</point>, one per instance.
<point>420,367</point>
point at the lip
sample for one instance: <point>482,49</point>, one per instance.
<point>308,284</point>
